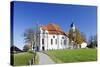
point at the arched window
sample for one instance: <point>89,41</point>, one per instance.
<point>62,37</point>
<point>43,33</point>
<point>42,41</point>
<point>51,41</point>
<point>55,41</point>
<point>64,42</point>
<point>61,42</point>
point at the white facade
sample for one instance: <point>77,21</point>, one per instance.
<point>51,41</point>
<point>51,37</point>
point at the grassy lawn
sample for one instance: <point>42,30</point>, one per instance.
<point>73,55</point>
<point>22,58</point>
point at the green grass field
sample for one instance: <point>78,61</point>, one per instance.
<point>73,55</point>
<point>22,58</point>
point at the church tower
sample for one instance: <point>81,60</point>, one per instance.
<point>72,26</point>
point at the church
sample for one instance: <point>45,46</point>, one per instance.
<point>52,37</point>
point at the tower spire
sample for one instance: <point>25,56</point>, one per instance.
<point>72,26</point>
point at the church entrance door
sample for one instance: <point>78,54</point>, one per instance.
<point>43,48</point>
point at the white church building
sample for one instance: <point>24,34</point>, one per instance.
<point>51,37</point>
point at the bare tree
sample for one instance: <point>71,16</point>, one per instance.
<point>26,47</point>
<point>29,37</point>
<point>92,41</point>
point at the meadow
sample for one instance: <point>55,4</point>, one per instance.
<point>22,58</point>
<point>73,55</point>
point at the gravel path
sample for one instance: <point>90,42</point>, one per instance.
<point>44,59</point>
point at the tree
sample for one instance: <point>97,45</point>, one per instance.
<point>79,38</point>
<point>84,37</point>
<point>76,36</point>
<point>29,35</point>
<point>70,35</point>
<point>26,47</point>
<point>92,41</point>
<point>95,40</point>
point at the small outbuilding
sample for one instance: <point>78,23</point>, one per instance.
<point>84,45</point>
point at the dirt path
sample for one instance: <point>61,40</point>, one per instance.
<point>44,59</point>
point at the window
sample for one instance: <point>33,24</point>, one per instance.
<point>51,41</point>
<point>53,36</point>
<point>56,41</point>
<point>64,42</point>
<point>62,37</point>
<point>61,42</point>
<point>43,31</point>
<point>42,41</point>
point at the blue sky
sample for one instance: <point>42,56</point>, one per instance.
<point>27,14</point>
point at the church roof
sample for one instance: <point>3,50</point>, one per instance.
<point>53,29</point>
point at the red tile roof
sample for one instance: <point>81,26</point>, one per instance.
<point>53,29</point>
